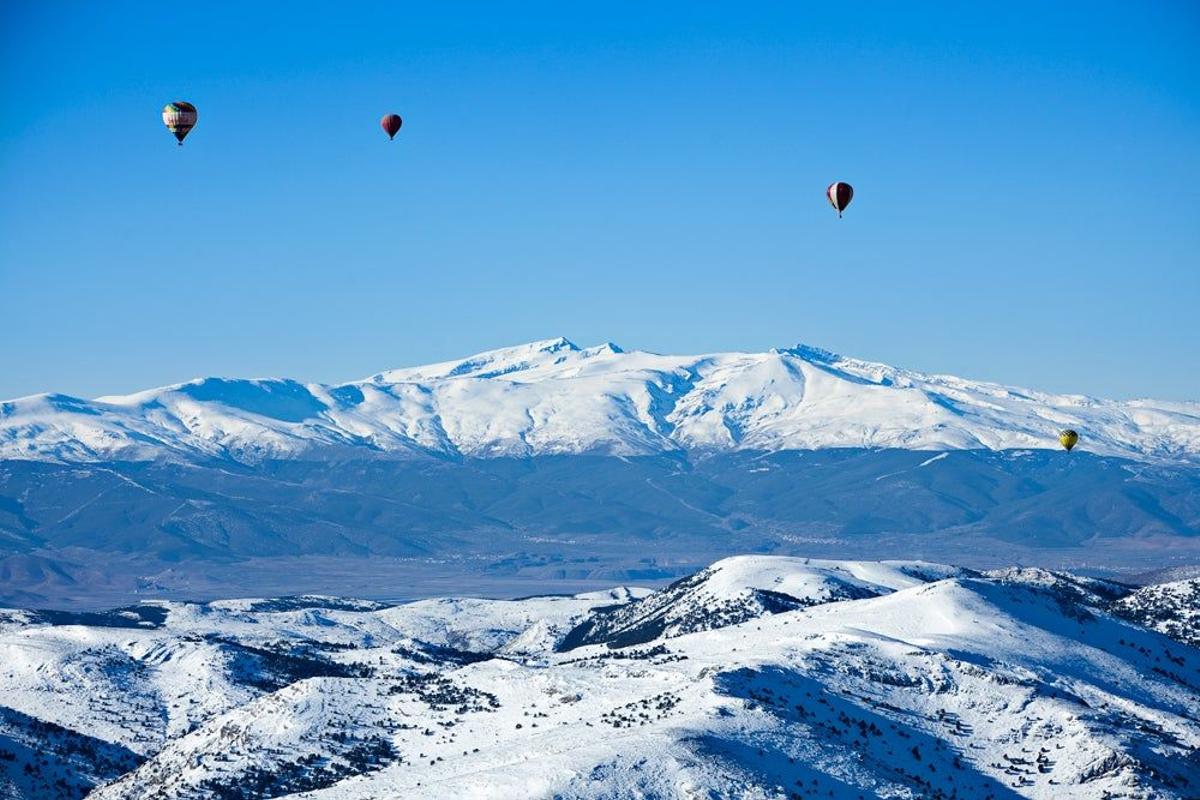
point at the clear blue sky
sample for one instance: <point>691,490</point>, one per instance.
<point>1027,205</point>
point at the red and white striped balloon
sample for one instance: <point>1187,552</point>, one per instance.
<point>839,194</point>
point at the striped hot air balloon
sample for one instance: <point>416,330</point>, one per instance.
<point>180,118</point>
<point>839,194</point>
<point>1068,439</point>
<point>391,125</point>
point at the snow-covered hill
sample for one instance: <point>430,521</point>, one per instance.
<point>742,588</point>
<point>854,679</point>
<point>551,397</point>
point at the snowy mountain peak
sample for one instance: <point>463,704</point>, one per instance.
<point>816,355</point>
<point>488,364</point>
<point>553,397</point>
<point>740,588</point>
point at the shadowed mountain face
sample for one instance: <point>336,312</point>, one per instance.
<point>95,533</point>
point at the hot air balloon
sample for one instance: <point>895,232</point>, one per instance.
<point>1068,439</point>
<point>391,125</point>
<point>180,118</point>
<point>840,194</point>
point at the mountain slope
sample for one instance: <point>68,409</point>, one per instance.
<point>552,397</point>
<point>1169,608</point>
<point>924,681</point>
<point>105,534</point>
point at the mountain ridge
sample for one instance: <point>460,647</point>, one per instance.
<point>553,397</point>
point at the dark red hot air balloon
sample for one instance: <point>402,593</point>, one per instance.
<point>391,125</point>
<point>839,194</point>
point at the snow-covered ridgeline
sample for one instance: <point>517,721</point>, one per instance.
<point>551,397</point>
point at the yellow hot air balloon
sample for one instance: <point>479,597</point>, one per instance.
<point>1068,439</point>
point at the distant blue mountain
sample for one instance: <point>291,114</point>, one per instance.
<point>548,467</point>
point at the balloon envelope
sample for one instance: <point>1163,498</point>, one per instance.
<point>391,125</point>
<point>180,118</point>
<point>839,194</point>
<point>1068,439</point>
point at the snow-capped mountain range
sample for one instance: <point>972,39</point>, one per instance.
<point>760,677</point>
<point>552,397</point>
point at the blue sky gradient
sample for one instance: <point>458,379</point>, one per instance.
<point>1026,176</point>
